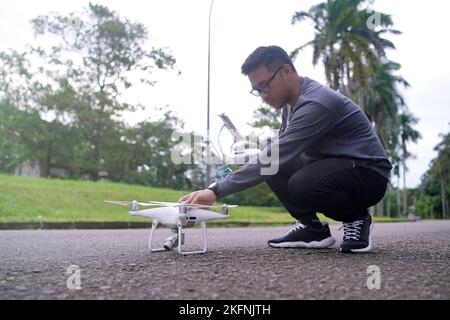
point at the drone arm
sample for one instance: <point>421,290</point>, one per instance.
<point>150,238</point>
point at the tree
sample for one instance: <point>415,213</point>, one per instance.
<point>18,85</point>
<point>407,134</point>
<point>382,105</point>
<point>433,198</point>
<point>149,147</point>
<point>25,136</point>
<point>442,172</point>
<point>12,150</point>
<point>91,65</point>
<point>345,43</point>
<point>384,101</point>
<point>266,117</point>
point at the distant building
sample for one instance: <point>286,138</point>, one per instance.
<point>34,168</point>
<point>29,168</point>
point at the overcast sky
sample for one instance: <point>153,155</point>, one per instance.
<point>238,27</point>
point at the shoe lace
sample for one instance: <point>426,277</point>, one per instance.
<point>297,226</point>
<point>352,230</point>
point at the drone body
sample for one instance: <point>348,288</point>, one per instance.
<point>176,216</point>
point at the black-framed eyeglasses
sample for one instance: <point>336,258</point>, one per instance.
<point>265,88</point>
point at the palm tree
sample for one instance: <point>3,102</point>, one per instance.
<point>435,185</point>
<point>383,101</point>
<point>407,134</point>
<point>354,57</point>
<point>345,43</point>
<point>441,172</point>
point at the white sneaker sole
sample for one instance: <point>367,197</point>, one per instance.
<point>369,247</point>
<point>366,249</point>
<point>301,244</point>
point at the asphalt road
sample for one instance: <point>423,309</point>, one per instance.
<point>411,259</point>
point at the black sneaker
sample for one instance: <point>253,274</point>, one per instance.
<point>357,236</point>
<point>301,236</point>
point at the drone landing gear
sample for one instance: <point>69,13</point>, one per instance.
<point>174,240</point>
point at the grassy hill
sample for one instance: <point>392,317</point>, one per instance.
<point>25,199</point>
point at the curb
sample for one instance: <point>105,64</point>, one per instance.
<point>117,225</point>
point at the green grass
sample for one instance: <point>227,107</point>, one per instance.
<point>25,199</point>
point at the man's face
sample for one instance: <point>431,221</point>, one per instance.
<point>273,93</point>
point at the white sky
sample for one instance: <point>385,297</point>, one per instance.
<point>238,27</point>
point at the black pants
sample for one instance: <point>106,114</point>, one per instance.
<point>338,188</point>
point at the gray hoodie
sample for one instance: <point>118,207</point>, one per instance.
<point>323,124</point>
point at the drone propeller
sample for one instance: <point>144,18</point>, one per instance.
<point>180,204</point>
<point>220,206</point>
<point>166,204</point>
<point>127,203</point>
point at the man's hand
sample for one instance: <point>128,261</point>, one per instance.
<point>204,197</point>
<point>240,146</point>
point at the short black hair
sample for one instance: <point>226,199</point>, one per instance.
<point>272,57</point>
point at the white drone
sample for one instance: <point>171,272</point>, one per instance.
<point>176,216</point>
